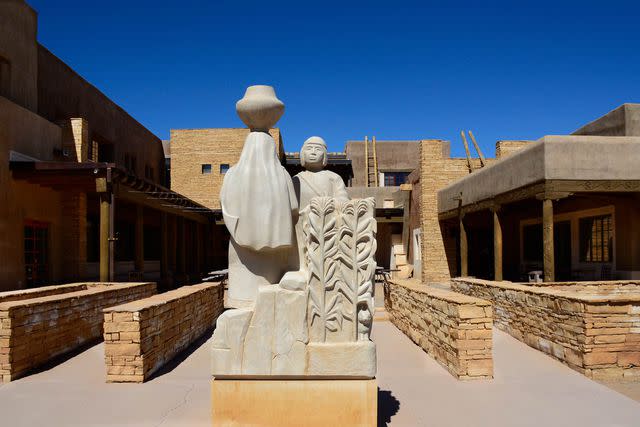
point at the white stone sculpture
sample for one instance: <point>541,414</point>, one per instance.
<point>314,181</point>
<point>316,322</point>
<point>258,203</point>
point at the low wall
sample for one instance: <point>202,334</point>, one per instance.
<point>142,336</point>
<point>39,324</point>
<point>592,327</point>
<point>454,329</point>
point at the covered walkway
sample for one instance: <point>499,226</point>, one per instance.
<point>529,389</point>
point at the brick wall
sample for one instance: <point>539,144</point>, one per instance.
<point>191,148</point>
<point>508,147</point>
<point>35,330</point>
<point>594,330</point>
<point>454,329</point>
<point>437,170</point>
<point>143,335</point>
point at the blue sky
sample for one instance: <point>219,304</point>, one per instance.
<point>393,69</point>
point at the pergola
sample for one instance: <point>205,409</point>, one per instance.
<point>552,168</point>
<point>111,184</point>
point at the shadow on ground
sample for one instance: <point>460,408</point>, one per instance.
<point>388,406</point>
<point>180,357</point>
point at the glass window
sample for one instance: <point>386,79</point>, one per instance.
<point>206,169</point>
<point>393,179</point>
<point>224,167</point>
<point>596,239</point>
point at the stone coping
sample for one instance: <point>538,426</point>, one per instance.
<point>22,294</point>
<point>582,283</point>
<point>577,295</point>
<point>160,299</point>
<point>89,289</point>
<point>441,294</point>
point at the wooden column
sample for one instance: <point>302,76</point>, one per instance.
<point>497,245</point>
<point>464,251</point>
<point>547,240</point>
<point>164,246</point>
<point>139,239</point>
<point>105,227</point>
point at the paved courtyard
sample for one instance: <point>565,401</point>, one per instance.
<point>529,389</point>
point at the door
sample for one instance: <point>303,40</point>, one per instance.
<point>562,250</point>
<point>36,253</point>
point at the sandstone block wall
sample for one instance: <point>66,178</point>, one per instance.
<point>593,329</point>
<point>143,335</point>
<point>38,325</point>
<point>454,329</point>
<point>191,148</point>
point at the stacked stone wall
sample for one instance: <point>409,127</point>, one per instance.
<point>34,330</point>
<point>593,328</point>
<point>456,330</point>
<point>140,337</point>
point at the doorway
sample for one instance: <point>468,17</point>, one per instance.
<point>36,253</point>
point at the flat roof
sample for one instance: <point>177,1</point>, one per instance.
<point>553,157</point>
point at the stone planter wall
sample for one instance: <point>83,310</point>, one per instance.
<point>40,324</point>
<point>593,327</point>
<point>140,337</point>
<point>454,329</point>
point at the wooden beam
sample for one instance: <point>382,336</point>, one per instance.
<point>105,208</point>
<point>475,144</point>
<point>497,245</point>
<point>466,150</point>
<point>464,251</point>
<point>366,160</point>
<point>547,240</point>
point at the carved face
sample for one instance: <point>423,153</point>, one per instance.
<point>313,156</point>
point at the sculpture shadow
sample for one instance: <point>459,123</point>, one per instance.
<point>388,406</point>
<point>182,356</point>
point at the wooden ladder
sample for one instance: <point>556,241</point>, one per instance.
<point>370,162</point>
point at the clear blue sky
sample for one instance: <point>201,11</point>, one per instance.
<point>505,70</point>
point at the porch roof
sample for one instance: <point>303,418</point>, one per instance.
<point>553,164</point>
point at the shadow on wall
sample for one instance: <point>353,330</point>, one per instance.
<point>388,406</point>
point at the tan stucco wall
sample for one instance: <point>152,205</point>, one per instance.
<point>401,156</point>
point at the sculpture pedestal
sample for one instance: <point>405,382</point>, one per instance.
<point>293,402</point>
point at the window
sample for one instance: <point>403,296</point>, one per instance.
<point>393,179</point>
<point>206,169</point>
<point>596,239</point>
<point>224,167</point>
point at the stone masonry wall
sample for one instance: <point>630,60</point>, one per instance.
<point>437,171</point>
<point>140,337</point>
<point>191,148</point>
<point>593,331</point>
<point>35,330</point>
<point>454,329</point>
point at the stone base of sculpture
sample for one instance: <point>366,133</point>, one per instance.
<point>308,402</point>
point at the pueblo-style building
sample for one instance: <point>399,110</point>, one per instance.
<point>565,207</point>
<point>81,182</point>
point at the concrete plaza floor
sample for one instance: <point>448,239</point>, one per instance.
<point>529,389</point>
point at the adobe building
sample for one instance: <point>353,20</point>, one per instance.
<point>81,187</point>
<point>566,206</point>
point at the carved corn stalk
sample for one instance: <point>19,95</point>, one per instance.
<point>321,244</point>
<point>357,243</point>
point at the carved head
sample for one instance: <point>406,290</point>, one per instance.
<point>313,155</point>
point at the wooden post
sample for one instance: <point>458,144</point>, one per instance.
<point>547,240</point>
<point>497,245</point>
<point>464,251</point>
<point>105,226</point>
<point>475,144</point>
<point>366,160</point>
<point>466,150</point>
<point>164,249</point>
<point>139,237</point>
